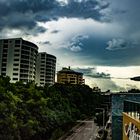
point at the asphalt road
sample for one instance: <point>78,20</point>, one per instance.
<point>87,131</point>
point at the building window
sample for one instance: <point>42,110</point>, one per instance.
<point>15,78</point>
<point>16,64</point>
<point>24,71</point>
<point>25,61</point>
<point>25,52</point>
<point>3,73</point>
<point>17,41</point>
<point>4,55</point>
<point>72,78</point>
<point>16,55</point>
<point>15,73</point>
<point>24,57</point>
<point>42,61</point>
<point>15,69</point>
<point>5,51</point>
<point>5,46</point>
<point>16,59</point>
<point>25,48</point>
<point>5,41</point>
<point>3,69</point>
<point>42,69</point>
<point>24,75</point>
<point>3,64</point>
<point>27,43</point>
<point>17,46</point>
<point>25,66</point>
<point>16,50</point>
<point>4,60</point>
<point>42,55</point>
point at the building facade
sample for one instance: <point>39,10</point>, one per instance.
<point>45,70</point>
<point>18,59</point>
<point>131,120</point>
<point>66,75</point>
<point>118,106</point>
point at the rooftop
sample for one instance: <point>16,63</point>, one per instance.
<point>69,71</point>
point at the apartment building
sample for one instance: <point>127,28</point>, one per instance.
<point>66,75</point>
<point>18,59</point>
<point>45,69</point>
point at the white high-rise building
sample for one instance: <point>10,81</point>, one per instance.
<point>45,69</point>
<point>18,59</point>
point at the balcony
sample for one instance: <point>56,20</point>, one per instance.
<point>131,120</point>
<point>132,108</point>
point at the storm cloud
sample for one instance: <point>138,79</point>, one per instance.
<point>26,13</point>
<point>78,32</point>
<point>75,44</point>
<point>91,72</point>
<point>99,79</point>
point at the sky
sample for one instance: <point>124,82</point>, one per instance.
<point>100,38</point>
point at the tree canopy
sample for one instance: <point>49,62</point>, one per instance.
<point>28,112</point>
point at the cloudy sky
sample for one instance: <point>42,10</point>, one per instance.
<point>98,37</point>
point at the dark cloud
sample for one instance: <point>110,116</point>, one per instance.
<point>94,51</point>
<point>81,9</point>
<point>18,21</point>
<point>55,31</point>
<point>86,71</point>
<point>19,14</point>
<point>45,43</point>
<point>135,78</point>
<point>119,44</point>
<point>25,6</point>
<point>126,14</point>
<point>26,13</point>
<point>91,72</point>
<point>41,29</point>
<point>75,44</point>
<point>100,75</point>
<point>102,80</point>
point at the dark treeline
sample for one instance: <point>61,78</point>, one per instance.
<point>28,112</point>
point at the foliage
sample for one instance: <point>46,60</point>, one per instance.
<point>134,90</point>
<point>28,112</point>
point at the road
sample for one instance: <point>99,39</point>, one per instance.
<point>87,131</point>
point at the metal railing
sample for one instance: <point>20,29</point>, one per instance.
<point>132,108</point>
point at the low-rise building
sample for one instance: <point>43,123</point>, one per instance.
<point>66,75</point>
